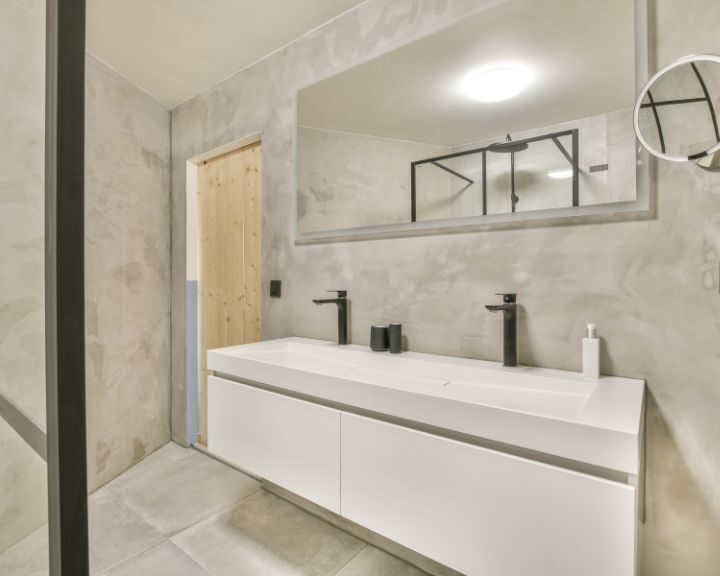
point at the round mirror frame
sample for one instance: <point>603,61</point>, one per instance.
<point>641,97</point>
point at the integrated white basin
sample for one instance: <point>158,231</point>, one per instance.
<point>555,403</point>
<point>331,360</point>
<point>550,411</point>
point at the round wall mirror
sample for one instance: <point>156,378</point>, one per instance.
<point>677,113</point>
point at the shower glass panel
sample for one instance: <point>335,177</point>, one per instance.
<point>543,175</point>
<point>23,475</point>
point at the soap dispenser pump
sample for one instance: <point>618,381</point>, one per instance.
<point>591,354</point>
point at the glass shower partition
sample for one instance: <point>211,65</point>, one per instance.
<point>43,499</point>
<point>23,479</point>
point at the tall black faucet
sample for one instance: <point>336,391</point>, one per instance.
<point>342,305</point>
<point>509,310</point>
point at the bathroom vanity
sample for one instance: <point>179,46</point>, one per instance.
<point>488,470</point>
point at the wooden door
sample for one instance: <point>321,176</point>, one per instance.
<point>230,212</point>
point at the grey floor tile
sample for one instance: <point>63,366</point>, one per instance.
<point>165,559</point>
<point>374,562</point>
<point>116,533</point>
<point>267,536</point>
<point>28,557</point>
<point>165,455</point>
<point>174,490</point>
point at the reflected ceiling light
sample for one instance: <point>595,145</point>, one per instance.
<point>496,83</point>
<point>561,174</point>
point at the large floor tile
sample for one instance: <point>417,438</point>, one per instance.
<point>163,560</point>
<point>28,557</point>
<point>165,455</point>
<point>116,532</point>
<point>267,536</point>
<point>173,490</point>
<point>374,562</point>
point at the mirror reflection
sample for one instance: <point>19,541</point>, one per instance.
<point>677,115</point>
<point>512,113</point>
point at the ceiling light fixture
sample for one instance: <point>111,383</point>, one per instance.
<point>496,83</point>
<point>561,174</point>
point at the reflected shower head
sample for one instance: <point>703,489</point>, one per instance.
<point>508,146</point>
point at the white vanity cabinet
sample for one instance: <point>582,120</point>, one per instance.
<point>292,443</point>
<point>481,512</point>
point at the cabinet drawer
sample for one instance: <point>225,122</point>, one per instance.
<point>483,512</point>
<point>292,443</point>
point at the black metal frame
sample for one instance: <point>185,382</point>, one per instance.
<point>706,98</point>
<point>65,316</point>
<point>572,157</point>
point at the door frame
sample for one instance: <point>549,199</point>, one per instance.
<point>192,279</point>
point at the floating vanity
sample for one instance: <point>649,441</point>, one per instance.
<point>488,470</point>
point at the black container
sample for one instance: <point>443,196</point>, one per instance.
<point>379,340</point>
<point>395,336</point>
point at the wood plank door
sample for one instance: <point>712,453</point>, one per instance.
<point>230,215</point>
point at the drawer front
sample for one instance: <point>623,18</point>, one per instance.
<point>483,512</point>
<point>292,443</point>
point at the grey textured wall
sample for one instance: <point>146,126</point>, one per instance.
<point>347,180</point>
<point>127,276</point>
<point>651,286</point>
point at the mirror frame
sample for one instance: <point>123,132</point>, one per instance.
<point>639,209</point>
<point>638,104</point>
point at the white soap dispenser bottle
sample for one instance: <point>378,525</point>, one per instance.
<point>591,354</point>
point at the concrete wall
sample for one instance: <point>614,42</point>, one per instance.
<point>352,180</point>
<point>651,285</point>
<point>127,277</point>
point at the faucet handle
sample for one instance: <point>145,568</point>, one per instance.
<point>340,293</point>
<point>508,298</point>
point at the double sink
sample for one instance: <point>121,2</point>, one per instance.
<point>552,412</point>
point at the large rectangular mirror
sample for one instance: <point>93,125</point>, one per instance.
<point>521,111</point>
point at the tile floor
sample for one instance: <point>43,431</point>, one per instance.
<point>181,513</point>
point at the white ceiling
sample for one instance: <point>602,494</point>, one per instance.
<point>581,51</point>
<point>175,49</point>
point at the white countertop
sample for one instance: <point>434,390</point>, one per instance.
<point>551,411</point>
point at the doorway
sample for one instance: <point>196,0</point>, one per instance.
<point>229,225</point>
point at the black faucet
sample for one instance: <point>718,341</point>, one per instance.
<point>509,310</point>
<point>342,304</point>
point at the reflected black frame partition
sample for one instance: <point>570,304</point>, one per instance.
<point>654,104</point>
<point>572,157</point>
<point>64,288</point>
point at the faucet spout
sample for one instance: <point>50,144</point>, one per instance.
<point>342,305</point>
<point>498,307</point>
<point>509,310</point>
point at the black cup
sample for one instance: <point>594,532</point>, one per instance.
<point>395,337</point>
<point>379,339</point>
